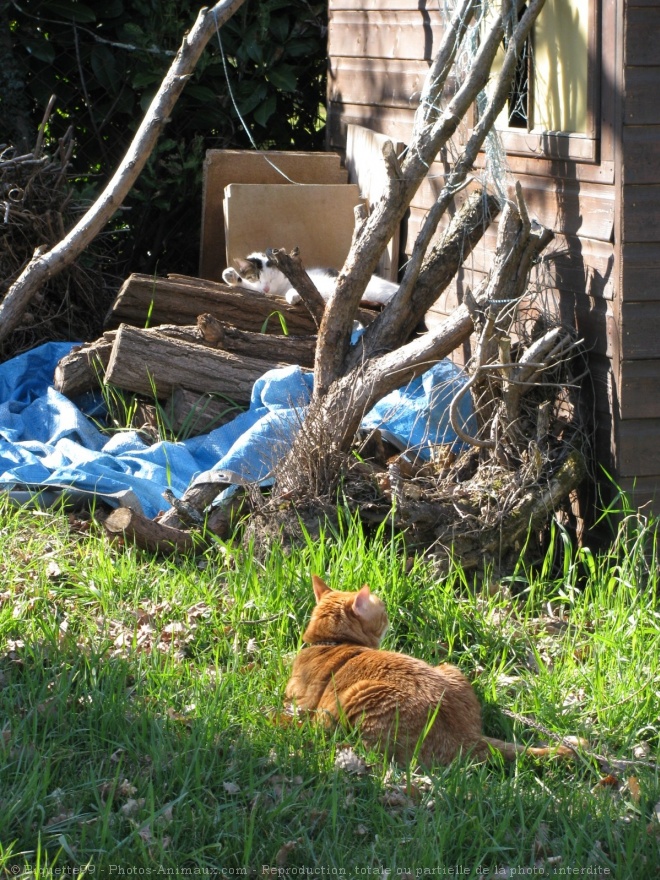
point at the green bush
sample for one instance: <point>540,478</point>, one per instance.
<point>105,62</point>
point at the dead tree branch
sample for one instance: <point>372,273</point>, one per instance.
<point>397,322</point>
<point>292,266</point>
<point>351,395</point>
<point>432,132</point>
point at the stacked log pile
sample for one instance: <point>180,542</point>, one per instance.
<point>217,341</point>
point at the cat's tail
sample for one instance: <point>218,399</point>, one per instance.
<point>568,748</point>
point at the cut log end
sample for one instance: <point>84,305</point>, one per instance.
<point>147,534</point>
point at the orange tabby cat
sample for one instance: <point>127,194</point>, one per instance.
<point>393,699</point>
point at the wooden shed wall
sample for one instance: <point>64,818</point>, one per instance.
<point>638,231</point>
<point>379,52</point>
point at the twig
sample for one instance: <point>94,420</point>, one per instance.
<point>42,126</point>
<point>129,47</point>
<point>88,101</point>
<point>581,751</point>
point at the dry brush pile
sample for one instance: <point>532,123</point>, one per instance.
<point>37,206</point>
<point>519,467</point>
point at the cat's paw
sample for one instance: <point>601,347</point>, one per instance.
<point>230,276</point>
<point>292,297</point>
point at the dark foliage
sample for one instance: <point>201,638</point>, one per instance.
<point>105,62</point>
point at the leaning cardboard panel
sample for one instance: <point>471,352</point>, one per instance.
<point>319,219</point>
<point>223,167</point>
<point>366,167</point>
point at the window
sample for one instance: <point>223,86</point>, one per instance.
<point>551,107</point>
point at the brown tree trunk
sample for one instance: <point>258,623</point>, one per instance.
<point>180,299</point>
<point>146,533</point>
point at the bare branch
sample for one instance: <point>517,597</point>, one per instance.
<point>292,266</point>
<point>368,247</point>
<point>352,395</point>
<point>46,264</point>
<point>441,67</point>
<point>397,322</point>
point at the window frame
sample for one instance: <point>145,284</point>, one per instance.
<point>583,147</point>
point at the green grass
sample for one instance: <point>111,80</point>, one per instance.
<point>142,728</point>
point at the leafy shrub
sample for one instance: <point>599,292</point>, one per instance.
<point>106,61</point>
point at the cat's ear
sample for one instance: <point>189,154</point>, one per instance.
<point>361,602</point>
<point>244,266</point>
<point>320,588</point>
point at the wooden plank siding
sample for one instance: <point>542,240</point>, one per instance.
<point>602,272</point>
<point>637,430</point>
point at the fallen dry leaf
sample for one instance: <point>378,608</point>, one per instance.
<point>634,789</point>
<point>201,609</point>
<point>123,789</point>
<point>396,798</point>
<point>123,640</point>
<point>53,571</point>
<point>173,715</point>
<point>167,815</point>
<point>60,818</point>
<point>643,750</point>
<point>145,834</point>
<point>176,628</point>
<point>231,787</point>
<point>282,856</point>
<point>608,781</point>
<point>126,788</point>
<point>347,760</point>
<point>654,825</point>
<point>132,806</point>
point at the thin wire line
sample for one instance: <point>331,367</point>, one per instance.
<point>238,112</point>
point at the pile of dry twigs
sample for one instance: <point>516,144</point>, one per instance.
<point>37,207</point>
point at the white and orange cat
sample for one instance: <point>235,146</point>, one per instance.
<point>256,272</point>
<point>398,703</point>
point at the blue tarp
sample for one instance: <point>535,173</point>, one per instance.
<point>49,443</point>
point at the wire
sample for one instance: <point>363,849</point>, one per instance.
<point>238,112</point>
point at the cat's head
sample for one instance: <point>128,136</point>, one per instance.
<point>257,272</point>
<point>357,618</point>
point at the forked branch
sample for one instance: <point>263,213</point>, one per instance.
<point>432,131</point>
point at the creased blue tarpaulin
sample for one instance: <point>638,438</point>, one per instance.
<point>49,443</point>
